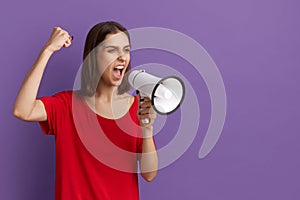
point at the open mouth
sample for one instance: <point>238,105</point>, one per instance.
<point>118,71</point>
<point>120,68</point>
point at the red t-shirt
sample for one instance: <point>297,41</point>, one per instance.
<point>96,157</point>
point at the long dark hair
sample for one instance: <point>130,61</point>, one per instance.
<point>90,74</point>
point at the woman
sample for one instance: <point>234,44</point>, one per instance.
<point>74,117</point>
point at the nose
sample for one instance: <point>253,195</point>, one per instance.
<point>122,57</point>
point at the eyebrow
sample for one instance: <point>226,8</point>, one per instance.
<point>116,47</point>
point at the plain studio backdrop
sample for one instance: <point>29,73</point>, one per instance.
<point>255,45</point>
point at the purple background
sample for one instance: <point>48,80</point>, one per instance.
<point>255,44</point>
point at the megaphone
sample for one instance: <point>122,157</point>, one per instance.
<point>166,93</point>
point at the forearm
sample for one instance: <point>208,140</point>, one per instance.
<point>28,92</point>
<point>149,159</point>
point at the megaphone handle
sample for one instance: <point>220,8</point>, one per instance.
<point>146,120</point>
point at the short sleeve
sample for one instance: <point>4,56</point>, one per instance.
<point>56,107</point>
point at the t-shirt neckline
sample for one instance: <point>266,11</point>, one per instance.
<point>106,118</point>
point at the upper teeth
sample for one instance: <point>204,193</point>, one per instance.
<point>120,67</point>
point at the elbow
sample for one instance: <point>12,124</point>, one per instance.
<point>16,113</point>
<point>19,115</point>
<point>149,176</point>
<point>149,179</point>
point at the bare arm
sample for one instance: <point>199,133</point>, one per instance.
<point>27,107</point>
<point>148,159</point>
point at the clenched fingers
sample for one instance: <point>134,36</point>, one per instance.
<point>146,111</point>
<point>68,41</point>
<point>58,39</point>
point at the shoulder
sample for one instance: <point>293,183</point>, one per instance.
<point>62,97</point>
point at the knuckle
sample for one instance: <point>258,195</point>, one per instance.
<point>57,28</point>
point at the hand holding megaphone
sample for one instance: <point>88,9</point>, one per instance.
<point>146,113</point>
<point>166,94</point>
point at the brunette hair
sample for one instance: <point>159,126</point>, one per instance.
<point>90,74</point>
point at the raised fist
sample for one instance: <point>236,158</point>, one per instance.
<point>58,39</point>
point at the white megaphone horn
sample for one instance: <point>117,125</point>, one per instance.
<point>166,94</point>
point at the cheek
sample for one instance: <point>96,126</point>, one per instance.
<point>105,60</point>
<point>128,58</point>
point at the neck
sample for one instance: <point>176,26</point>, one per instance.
<point>106,93</point>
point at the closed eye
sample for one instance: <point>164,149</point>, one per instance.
<point>127,49</point>
<point>111,50</point>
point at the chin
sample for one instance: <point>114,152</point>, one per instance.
<point>117,83</point>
